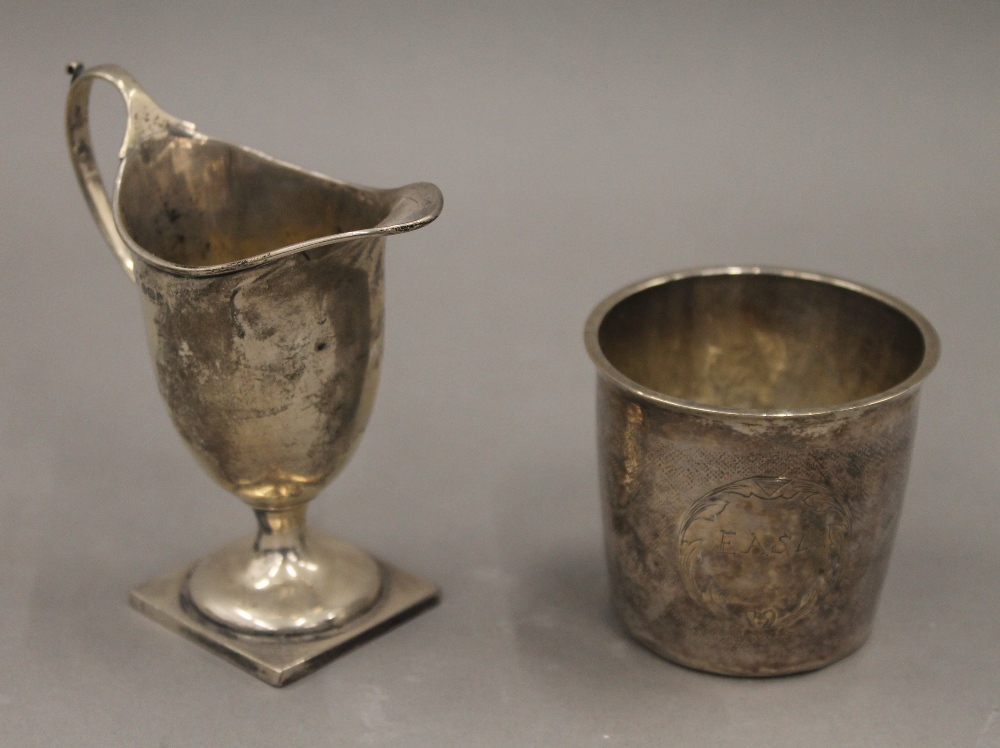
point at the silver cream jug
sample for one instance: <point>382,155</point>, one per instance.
<point>262,291</point>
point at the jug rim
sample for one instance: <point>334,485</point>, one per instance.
<point>607,370</point>
<point>414,205</point>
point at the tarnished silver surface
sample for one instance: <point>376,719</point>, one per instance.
<point>755,429</point>
<point>262,290</point>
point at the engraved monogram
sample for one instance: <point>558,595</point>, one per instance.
<point>763,550</point>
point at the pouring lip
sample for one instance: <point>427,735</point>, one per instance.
<point>426,198</point>
<point>606,370</point>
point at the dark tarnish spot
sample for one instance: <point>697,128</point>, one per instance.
<point>321,346</point>
<point>76,120</point>
<point>267,412</point>
<point>257,323</point>
<point>349,311</point>
<point>234,312</point>
<point>151,293</point>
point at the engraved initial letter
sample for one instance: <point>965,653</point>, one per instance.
<point>724,544</point>
<point>754,543</point>
<point>780,547</point>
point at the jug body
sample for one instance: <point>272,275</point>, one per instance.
<point>270,373</point>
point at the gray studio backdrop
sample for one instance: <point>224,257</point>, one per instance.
<point>579,146</point>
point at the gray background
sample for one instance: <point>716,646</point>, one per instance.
<point>580,146</point>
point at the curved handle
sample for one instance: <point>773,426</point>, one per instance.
<point>145,119</point>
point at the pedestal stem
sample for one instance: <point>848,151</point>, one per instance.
<point>281,530</point>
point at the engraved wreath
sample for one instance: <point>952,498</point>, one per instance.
<point>763,550</point>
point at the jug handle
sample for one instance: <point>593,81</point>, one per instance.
<point>145,119</point>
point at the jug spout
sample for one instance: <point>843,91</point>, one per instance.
<point>193,205</point>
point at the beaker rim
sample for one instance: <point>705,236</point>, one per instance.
<point>909,384</point>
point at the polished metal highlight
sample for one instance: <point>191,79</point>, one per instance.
<point>755,427</point>
<point>262,290</point>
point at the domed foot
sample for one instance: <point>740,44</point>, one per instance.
<point>308,586</point>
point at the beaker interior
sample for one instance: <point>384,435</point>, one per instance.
<point>760,341</point>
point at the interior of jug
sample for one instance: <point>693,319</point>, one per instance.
<point>199,202</point>
<point>760,341</point>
